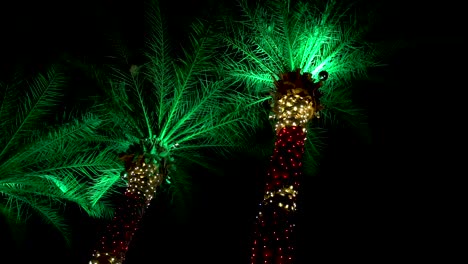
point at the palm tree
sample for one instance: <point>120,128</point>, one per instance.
<point>301,46</point>
<point>165,114</point>
<point>45,165</point>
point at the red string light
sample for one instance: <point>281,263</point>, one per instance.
<point>296,102</point>
<point>143,179</point>
<point>273,242</point>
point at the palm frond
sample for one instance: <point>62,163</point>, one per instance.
<point>8,97</point>
<point>174,101</point>
<point>48,213</point>
<point>43,94</point>
<point>195,63</point>
<point>340,109</point>
<point>40,148</point>
<point>43,195</point>
<point>314,146</point>
<point>42,169</point>
<point>120,48</point>
<point>160,68</point>
<point>177,102</point>
<point>282,37</point>
<point>105,185</point>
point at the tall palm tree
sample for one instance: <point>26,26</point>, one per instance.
<point>45,165</point>
<point>165,114</point>
<point>301,46</point>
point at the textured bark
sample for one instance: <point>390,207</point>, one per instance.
<point>295,102</point>
<point>141,188</point>
<point>274,226</point>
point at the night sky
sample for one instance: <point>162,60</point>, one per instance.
<point>352,210</point>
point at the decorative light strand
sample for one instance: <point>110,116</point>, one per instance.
<point>295,103</point>
<point>274,227</point>
<point>297,99</point>
<point>142,182</point>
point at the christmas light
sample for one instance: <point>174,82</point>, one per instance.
<point>296,102</point>
<point>142,182</point>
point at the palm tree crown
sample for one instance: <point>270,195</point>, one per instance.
<point>164,114</point>
<point>168,107</point>
<point>42,168</point>
<point>288,49</point>
<point>280,37</point>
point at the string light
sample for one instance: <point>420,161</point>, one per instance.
<point>296,102</point>
<point>142,182</point>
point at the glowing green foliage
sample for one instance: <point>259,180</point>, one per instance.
<point>281,36</point>
<point>176,103</point>
<point>43,168</point>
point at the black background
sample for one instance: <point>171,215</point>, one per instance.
<point>365,203</point>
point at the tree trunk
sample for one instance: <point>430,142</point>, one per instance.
<point>295,102</point>
<point>143,179</point>
<point>274,227</point>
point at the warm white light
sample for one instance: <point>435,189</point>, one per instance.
<point>290,110</point>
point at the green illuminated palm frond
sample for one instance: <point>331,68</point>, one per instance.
<point>159,50</point>
<point>281,37</point>
<point>174,106</point>
<point>314,147</point>
<point>177,100</point>
<point>35,104</point>
<point>43,168</point>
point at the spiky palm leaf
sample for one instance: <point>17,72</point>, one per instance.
<point>42,169</point>
<point>177,103</point>
<point>280,37</point>
<point>171,111</point>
